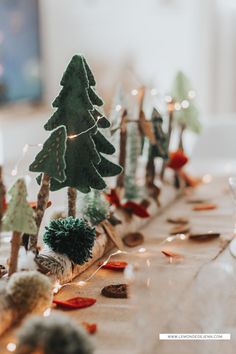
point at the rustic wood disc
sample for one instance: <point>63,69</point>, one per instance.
<point>118,291</point>
<point>133,239</point>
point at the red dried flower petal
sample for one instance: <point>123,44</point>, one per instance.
<point>75,303</point>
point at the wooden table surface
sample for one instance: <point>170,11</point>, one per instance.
<point>196,294</point>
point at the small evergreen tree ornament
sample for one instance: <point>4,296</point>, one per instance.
<point>50,161</point>
<point>95,208</point>
<point>77,111</point>
<point>159,149</point>
<point>187,116</point>
<point>70,236</point>
<point>19,218</point>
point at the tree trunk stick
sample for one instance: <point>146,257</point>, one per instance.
<point>2,196</point>
<point>122,156</point>
<point>42,202</point>
<point>72,196</point>
<point>170,126</point>
<point>182,129</point>
<point>150,170</point>
<point>15,246</point>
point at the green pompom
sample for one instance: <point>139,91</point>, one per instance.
<point>70,236</point>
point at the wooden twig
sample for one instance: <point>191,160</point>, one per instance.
<point>2,196</point>
<point>122,155</point>
<point>15,246</point>
<point>43,197</point>
<point>72,196</point>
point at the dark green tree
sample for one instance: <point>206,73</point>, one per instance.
<point>159,149</point>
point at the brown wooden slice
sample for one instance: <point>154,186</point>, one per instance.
<point>178,220</point>
<point>204,236</point>
<point>181,229</point>
<point>133,239</point>
<point>118,291</point>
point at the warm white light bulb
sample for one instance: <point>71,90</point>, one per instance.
<point>134,92</point>
<point>81,283</point>
<point>142,250</point>
<point>177,106</point>
<point>47,312</point>
<point>11,347</point>
<point>185,104</point>
<point>118,107</point>
<point>168,99</point>
<point>14,172</point>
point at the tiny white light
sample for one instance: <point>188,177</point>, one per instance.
<point>14,172</point>
<point>11,347</point>
<point>207,178</point>
<point>182,236</point>
<point>148,262</point>
<point>47,312</point>
<point>168,99</point>
<point>134,92</point>
<point>170,238</point>
<point>177,106</point>
<point>185,104</point>
<point>153,92</point>
<point>118,107</point>
<point>81,283</point>
<point>142,250</point>
<point>191,94</point>
<point>57,287</point>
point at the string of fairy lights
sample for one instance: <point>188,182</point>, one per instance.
<point>177,106</point>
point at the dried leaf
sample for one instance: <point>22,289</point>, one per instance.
<point>204,236</point>
<point>177,160</point>
<point>75,303</point>
<point>203,207</point>
<point>133,239</point>
<point>91,328</point>
<point>171,254</point>
<point>115,265</point>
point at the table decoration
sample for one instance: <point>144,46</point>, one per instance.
<point>75,303</point>
<point>54,334</point>
<point>117,291</point>
<point>24,293</point>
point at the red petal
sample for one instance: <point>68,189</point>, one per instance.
<point>136,209</point>
<point>75,303</point>
<point>113,198</point>
<point>177,160</point>
<point>171,254</point>
<point>91,328</point>
<point>114,265</point>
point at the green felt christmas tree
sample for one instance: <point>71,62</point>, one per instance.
<point>19,219</point>
<point>94,207</point>
<point>131,163</point>
<point>187,116</point>
<point>159,149</point>
<point>77,110</point>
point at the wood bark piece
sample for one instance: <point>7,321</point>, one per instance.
<point>170,126</point>
<point>60,267</point>
<point>72,196</point>
<point>43,197</point>
<point>15,246</point>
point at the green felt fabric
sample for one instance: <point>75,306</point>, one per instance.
<point>19,215</point>
<point>161,148</point>
<point>51,159</point>
<point>77,111</point>
<point>187,117</point>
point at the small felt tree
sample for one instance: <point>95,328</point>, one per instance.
<point>132,155</point>
<point>159,149</point>
<point>85,165</point>
<point>51,162</point>
<point>19,219</point>
<point>187,115</point>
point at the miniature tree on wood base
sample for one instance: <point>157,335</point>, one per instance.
<point>19,219</point>
<point>82,163</point>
